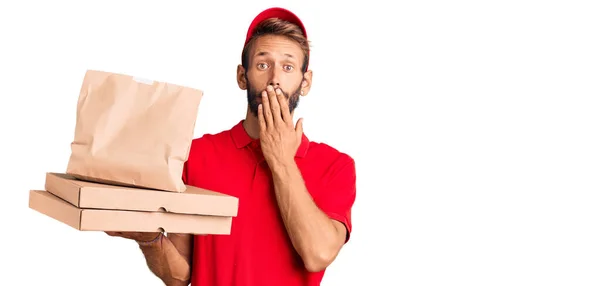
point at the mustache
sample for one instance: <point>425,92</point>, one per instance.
<point>258,93</point>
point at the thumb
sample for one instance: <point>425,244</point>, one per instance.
<point>299,128</point>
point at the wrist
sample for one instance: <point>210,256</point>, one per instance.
<point>152,242</point>
<point>284,170</point>
<point>281,167</point>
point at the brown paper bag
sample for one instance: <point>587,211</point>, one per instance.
<point>133,132</point>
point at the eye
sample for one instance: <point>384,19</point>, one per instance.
<point>288,68</point>
<point>262,66</point>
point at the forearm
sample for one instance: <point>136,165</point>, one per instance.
<point>312,232</point>
<point>167,262</point>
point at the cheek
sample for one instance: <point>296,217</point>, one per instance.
<point>257,80</point>
<point>291,84</point>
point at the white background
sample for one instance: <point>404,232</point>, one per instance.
<point>474,124</point>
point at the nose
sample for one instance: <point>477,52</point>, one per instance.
<point>274,78</point>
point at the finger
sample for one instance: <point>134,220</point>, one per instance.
<point>300,128</point>
<point>266,107</point>
<point>285,109</point>
<point>261,118</point>
<point>276,110</point>
<point>112,233</point>
<point>115,233</point>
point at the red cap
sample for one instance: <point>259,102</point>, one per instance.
<point>275,12</point>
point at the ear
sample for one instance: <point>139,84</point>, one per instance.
<point>241,77</point>
<point>306,82</point>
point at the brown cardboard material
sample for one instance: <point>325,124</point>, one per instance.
<point>121,220</point>
<point>91,195</point>
<point>132,131</point>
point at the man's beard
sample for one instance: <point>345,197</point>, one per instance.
<point>253,95</point>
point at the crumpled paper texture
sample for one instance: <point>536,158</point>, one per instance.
<point>133,132</point>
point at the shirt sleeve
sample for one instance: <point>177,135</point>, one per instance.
<point>184,175</point>
<point>339,193</point>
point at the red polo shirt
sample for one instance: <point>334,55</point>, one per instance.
<point>258,251</point>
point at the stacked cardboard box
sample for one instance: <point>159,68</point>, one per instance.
<point>91,206</point>
<point>124,174</point>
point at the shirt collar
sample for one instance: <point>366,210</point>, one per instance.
<point>241,139</point>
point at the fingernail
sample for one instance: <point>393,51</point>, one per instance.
<point>264,94</point>
<point>270,88</point>
<point>278,91</point>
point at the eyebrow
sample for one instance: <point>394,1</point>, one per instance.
<point>262,53</point>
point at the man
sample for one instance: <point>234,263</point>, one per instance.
<point>295,196</point>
